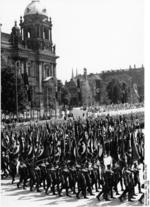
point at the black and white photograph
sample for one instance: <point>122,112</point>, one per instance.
<point>73,103</point>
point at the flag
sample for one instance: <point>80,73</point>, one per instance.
<point>73,150</point>
<point>25,78</point>
<point>136,90</point>
<point>89,149</point>
<point>100,150</point>
<point>82,149</point>
<point>135,154</point>
<point>26,83</point>
<point>129,152</point>
<point>58,150</point>
<point>114,148</point>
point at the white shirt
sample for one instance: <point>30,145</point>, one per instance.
<point>108,161</point>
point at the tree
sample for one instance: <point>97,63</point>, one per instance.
<point>104,95</point>
<point>124,92</point>
<point>8,91</point>
<point>141,93</point>
<point>114,91</point>
<point>59,91</point>
<point>65,96</point>
<point>74,101</point>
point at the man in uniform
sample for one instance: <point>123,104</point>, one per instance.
<point>128,184</point>
<point>136,176</point>
<point>4,165</point>
<point>81,181</point>
<point>109,180</point>
<point>116,176</point>
<point>107,184</point>
<point>65,173</point>
<point>88,180</point>
<point>22,173</point>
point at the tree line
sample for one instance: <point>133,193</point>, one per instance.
<point>113,92</point>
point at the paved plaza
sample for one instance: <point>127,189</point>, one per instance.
<point>12,196</point>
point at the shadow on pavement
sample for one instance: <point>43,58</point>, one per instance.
<point>53,200</point>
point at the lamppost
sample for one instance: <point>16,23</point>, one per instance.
<point>53,84</point>
<point>56,97</point>
<point>0,60</point>
<point>131,97</point>
<point>47,102</point>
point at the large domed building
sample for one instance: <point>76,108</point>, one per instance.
<point>30,49</point>
<point>35,7</point>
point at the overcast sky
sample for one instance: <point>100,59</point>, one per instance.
<point>96,34</point>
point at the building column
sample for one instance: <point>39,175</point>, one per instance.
<point>25,67</point>
<point>22,34</point>
<point>54,69</point>
<point>43,32</point>
<point>50,35</point>
<point>51,69</point>
<point>40,89</point>
<point>22,67</point>
<point>40,76</point>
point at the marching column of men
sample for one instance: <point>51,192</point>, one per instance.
<point>80,157</point>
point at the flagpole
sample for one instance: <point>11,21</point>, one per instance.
<point>0,61</point>
<point>0,88</point>
<point>16,92</point>
<point>55,97</point>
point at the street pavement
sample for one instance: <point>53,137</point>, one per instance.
<point>11,196</point>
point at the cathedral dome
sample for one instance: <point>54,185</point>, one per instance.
<point>35,7</point>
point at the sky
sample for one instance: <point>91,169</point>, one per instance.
<point>94,34</point>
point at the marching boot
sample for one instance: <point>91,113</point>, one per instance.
<point>67,193</point>
<point>77,194</point>
<point>120,198</point>
<point>141,199</point>
<point>92,194</point>
<point>98,198</point>
<point>107,199</point>
<point>130,200</point>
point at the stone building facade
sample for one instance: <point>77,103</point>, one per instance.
<point>30,49</point>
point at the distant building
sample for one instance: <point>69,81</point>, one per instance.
<point>30,49</point>
<point>84,89</point>
<point>133,77</point>
<point>92,87</point>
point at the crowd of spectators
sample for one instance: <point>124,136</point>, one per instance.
<point>115,107</point>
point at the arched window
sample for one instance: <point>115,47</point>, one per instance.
<point>45,34</point>
<point>47,70</point>
<point>51,69</point>
<point>29,34</point>
<point>22,34</point>
<point>28,68</point>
